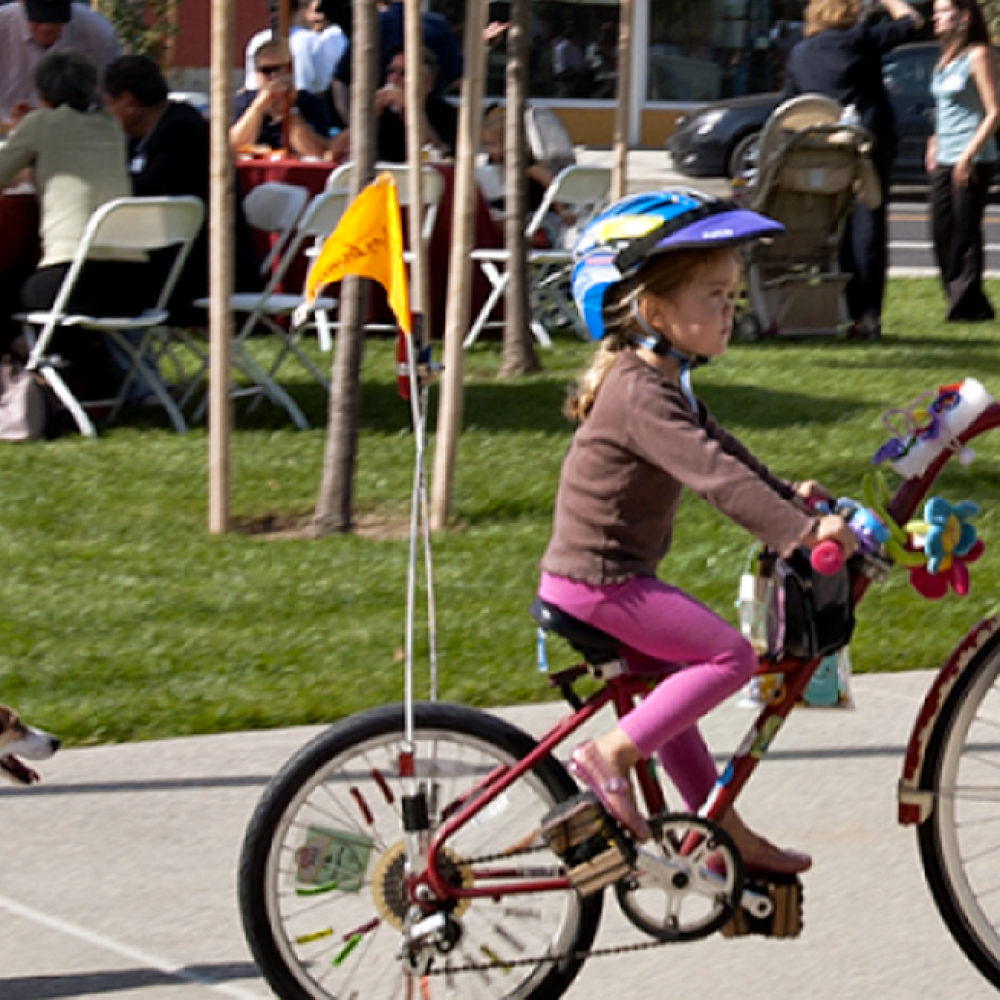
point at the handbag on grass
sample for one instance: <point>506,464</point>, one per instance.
<point>23,406</point>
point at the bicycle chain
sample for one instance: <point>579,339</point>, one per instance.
<point>514,962</point>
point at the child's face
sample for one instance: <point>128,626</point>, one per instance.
<point>698,318</point>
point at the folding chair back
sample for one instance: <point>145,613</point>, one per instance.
<point>340,179</point>
<point>275,207</point>
<point>578,192</point>
<point>132,224</point>
<point>433,189</point>
<point>581,191</point>
<point>273,308</point>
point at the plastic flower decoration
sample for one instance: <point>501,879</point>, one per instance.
<point>949,543</point>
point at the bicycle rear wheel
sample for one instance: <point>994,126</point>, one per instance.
<point>321,888</point>
<point>960,841</point>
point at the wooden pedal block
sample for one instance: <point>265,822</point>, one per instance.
<point>785,920</point>
<point>572,822</point>
<point>603,870</point>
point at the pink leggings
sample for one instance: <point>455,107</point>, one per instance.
<point>665,631</point>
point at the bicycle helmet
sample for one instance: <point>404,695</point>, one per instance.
<point>619,240</point>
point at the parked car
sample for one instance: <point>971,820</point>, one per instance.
<point>717,139</point>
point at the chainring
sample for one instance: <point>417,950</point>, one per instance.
<point>693,866</point>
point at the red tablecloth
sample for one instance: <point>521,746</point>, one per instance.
<point>19,225</point>
<point>312,176</point>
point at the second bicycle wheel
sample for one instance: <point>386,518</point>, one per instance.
<point>960,841</point>
<point>321,887</point>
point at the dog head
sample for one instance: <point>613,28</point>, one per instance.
<point>17,739</point>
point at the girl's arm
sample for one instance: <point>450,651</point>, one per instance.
<point>984,72</point>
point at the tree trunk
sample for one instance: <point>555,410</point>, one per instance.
<point>458,307</point>
<point>518,344</point>
<point>335,504</point>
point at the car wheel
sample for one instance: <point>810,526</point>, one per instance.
<point>744,155</point>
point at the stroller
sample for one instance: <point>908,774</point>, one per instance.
<point>811,166</point>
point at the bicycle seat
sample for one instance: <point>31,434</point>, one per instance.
<point>595,646</point>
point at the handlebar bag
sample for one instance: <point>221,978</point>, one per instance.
<point>815,611</point>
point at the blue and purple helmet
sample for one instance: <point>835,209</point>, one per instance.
<point>616,244</point>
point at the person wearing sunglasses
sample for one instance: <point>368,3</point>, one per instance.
<point>258,115</point>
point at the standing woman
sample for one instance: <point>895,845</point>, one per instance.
<point>961,155</point>
<point>841,58</point>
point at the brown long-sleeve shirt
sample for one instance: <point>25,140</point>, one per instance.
<point>622,479</point>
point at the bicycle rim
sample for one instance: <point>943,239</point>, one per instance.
<point>319,887</point>
<point>960,842</point>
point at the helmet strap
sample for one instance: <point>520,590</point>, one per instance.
<point>654,341</point>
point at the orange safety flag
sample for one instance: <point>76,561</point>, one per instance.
<point>368,241</point>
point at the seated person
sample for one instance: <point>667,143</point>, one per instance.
<point>494,139</point>
<point>259,114</point>
<point>493,184</point>
<point>169,147</point>
<point>301,48</point>
<point>440,119</point>
<point>79,159</point>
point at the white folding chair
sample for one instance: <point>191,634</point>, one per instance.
<point>579,191</point>
<point>267,307</point>
<point>131,224</point>
<point>274,208</point>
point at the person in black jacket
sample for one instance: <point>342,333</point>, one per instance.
<point>841,57</point>
<point>170,155</point>
<point>440,119</point>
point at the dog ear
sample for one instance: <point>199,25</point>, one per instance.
<point>8,718</point>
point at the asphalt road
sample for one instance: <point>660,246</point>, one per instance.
<point>909,237</point>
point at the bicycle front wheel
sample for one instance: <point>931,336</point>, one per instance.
<point>321,880</point>
<point>960,841</point>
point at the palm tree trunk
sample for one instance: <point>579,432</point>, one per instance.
<point>335,504</point>
<point>518,346</point>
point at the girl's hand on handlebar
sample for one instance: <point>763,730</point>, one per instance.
<point>832,528</point>
<point>813,494</point>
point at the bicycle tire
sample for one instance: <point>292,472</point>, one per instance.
<point>297,940</point>
<point>959,849</point>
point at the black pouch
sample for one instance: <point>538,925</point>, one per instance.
<point>816,611</point>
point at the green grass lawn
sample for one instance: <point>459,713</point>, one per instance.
<point>124,619</point>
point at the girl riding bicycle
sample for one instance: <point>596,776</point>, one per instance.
<point>656,279</point>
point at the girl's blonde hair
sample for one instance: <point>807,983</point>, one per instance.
<point>823,14</point>
<point>663,276</point>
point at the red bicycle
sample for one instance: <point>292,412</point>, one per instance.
<point>435,850</point>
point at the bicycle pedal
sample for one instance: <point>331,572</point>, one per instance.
<point>785,919</point>
<point>593,849</point>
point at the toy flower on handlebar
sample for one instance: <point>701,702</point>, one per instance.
<point>948,543</point>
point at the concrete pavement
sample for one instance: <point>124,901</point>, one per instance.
<point>119,872</point>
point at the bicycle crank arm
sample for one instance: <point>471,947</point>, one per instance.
<point>756,904</point>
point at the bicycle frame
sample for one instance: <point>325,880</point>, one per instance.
<point>621,692</point>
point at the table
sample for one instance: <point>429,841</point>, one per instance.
<point>20,246</point>
<point>312,175</point>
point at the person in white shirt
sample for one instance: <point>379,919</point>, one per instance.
<point>330,44</point>
<point>302,47</point>
<point>29,29</point>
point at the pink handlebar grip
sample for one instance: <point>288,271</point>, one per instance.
<point>827,557</point>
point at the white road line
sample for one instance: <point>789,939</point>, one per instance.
<point>123,950</point>
<point>925,245</point>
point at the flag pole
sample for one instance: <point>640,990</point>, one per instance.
<point>419,514</point>
<point>368,241</point>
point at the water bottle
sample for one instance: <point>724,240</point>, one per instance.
<point>756,595</point>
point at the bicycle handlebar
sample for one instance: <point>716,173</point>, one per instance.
<point>828,557</point>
